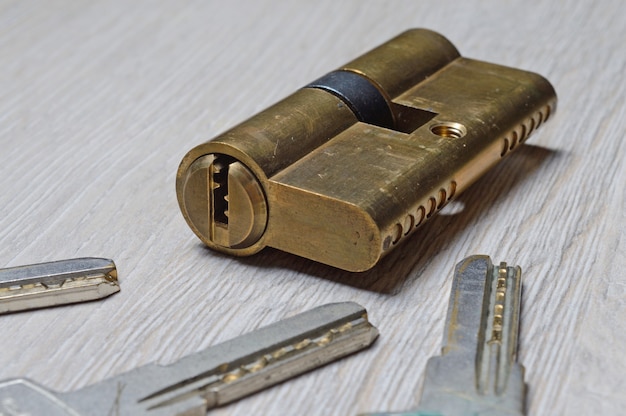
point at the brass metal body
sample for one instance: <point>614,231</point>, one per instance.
<point>308,177</point>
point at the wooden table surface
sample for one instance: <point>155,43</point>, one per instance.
<point>100,100</point>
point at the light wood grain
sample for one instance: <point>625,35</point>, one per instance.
<point>100,100</point>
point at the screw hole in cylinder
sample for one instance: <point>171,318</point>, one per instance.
<point>449,130</point>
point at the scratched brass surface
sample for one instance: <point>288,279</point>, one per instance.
<point>312,180</point>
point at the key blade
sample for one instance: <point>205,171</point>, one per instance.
<point>234,369</point>
<point>477,373</point>
<point>56,283</point>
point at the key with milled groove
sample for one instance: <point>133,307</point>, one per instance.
<point>212,377</point>
<point>56,283</point>
<point>477,373</point>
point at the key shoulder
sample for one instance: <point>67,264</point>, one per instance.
<point>22,397</point>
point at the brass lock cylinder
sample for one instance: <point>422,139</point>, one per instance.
<point>346,167</point>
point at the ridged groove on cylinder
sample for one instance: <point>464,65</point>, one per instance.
<point>417,216</point>
<point>521,132</point>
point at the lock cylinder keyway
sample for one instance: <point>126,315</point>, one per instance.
<point>345,168</point>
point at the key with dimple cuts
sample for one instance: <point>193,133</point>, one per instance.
<point>477,373</point>
<point>56,283</point>
<point>209,378</point>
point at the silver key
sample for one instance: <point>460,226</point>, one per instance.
<point>209,378</point>
<point>56,283</point>
<point>477,373</point>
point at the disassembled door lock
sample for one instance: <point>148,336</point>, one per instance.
<point>346,167</point>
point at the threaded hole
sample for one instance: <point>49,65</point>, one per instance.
<point>449,130</point>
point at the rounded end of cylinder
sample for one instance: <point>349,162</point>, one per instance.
<point>223,202</point>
